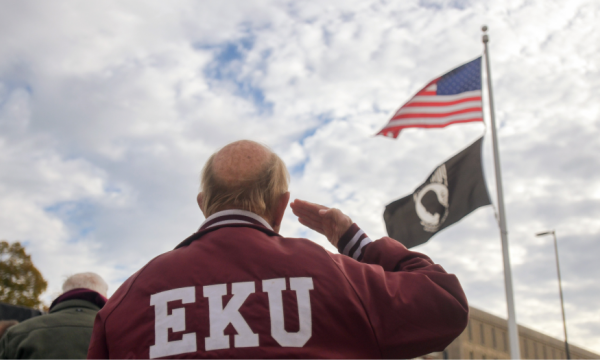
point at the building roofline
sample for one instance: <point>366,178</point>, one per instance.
<point>480,315</point>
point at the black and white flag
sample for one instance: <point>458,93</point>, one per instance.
<point>452,191</point>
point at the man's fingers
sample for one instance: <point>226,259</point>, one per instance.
<point>308,215</point>
<point>309,204</point>
<point>310,222</point>
<point>302,205</point>
<point>306,209</point>
<point>330,222</point>
<point>316,226</point>
<point>299,209</point>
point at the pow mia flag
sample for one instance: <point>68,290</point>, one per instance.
<point>452,191</point>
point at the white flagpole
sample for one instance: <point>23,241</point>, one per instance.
<point>513,333</point>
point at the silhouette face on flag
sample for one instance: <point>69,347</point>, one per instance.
<point>452,98</point>
<point>451,192</point>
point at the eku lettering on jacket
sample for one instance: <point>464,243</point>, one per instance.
<point>221,316</point>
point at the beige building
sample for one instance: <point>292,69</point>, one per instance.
<point>486,337</point>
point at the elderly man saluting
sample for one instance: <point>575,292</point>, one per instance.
<point>238,289</point>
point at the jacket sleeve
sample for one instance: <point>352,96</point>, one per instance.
<point>98,348</point>
<point>414,306</point>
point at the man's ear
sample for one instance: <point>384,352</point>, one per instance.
<point>279,211</point>
<point>199,198</point>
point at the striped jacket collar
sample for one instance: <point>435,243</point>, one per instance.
<point>234,216</point>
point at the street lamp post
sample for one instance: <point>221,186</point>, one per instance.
<point>562,305</point>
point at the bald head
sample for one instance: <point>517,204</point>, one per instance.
<point>243,175</point>
<point>241,161</point>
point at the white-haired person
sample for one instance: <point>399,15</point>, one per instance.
<point>238,289</point>
<point>63,333</point>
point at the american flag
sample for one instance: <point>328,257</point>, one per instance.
<point>454,97</point>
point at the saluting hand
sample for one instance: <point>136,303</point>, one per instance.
<point>330,222</point>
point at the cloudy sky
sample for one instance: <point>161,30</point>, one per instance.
<point>108,111</point>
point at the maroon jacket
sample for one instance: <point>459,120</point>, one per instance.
<point>236,289</point>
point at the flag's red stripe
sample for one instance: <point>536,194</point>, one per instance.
<point>426,115</point>
<point>424,92</point>
<point>400,127</point>
<point>445,103</point>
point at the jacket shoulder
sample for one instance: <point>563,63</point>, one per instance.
<point>62,334</point>
<point>75,313</point>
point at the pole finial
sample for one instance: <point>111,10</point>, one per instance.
<point>484,28</point>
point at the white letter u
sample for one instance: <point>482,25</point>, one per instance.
<point>302,286</point>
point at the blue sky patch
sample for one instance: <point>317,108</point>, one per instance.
<point>442,4</point>
<point>226,68</point>
<point>77,215</point>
